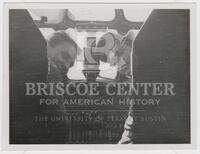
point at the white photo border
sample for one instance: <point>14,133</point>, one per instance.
<point>193,81</point>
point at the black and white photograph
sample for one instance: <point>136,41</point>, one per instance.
<point>106,74</point>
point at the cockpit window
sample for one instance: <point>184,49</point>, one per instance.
<point>87,14</point>
<point>136,14</point>
<point>93,14</point>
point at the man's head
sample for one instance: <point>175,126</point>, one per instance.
<point>61,50</point>
<point>119,48</point>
